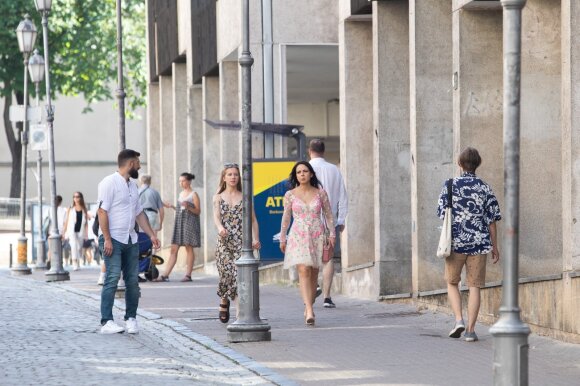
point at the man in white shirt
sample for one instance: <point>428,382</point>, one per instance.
<point>119,209</point>
<point>332,182</point>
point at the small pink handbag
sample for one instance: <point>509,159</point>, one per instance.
<point>326,251</point>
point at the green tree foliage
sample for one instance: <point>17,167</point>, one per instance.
<point>83,56</point>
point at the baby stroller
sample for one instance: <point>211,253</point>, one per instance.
<point>147,260</point>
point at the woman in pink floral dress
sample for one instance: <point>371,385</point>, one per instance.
<point>306,203</point>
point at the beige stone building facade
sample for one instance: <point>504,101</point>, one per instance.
<point>397,88</point>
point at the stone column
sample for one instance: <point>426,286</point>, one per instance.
<point>431,107</point>
<point>570,161</point>
<point>541,140</point>
<point>392,180</point>
<point>356,154</point>
<point>477,98</point>
<point>195,148</point>
<point>153,134</point>
<point>180,149</point>
<point>230,111</point>
<point>167,178</point>
<point>180,109</point>
<point>211,169</point>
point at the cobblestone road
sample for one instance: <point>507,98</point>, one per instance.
<point>50,336</point>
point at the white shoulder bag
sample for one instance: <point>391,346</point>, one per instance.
<point>444,247</point>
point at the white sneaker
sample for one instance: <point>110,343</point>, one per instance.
<point>121,284</point>
<point>132,326</point>
<point>101,280</point>
<point>111,328</point>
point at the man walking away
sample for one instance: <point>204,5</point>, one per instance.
<point>151,203</point>
<point>332,182</point>
<point>119,209</point>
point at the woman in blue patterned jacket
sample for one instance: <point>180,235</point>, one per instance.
<point>475,212</point>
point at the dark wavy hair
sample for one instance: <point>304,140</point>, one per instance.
<point>188,176</point>
<point>293,181</point>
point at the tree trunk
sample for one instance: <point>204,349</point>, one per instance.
<point>14,144</point>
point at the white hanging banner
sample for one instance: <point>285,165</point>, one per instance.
<point>16,113</point>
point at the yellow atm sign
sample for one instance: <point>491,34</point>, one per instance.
<point>270,185</point>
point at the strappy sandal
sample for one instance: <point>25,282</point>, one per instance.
<point>162,278</point>
<point>225,315</point>
<point>186,278</point>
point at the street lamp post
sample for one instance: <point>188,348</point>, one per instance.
<point>57,272</point>
<point>120,90</point>
<point>36,67</point>
<point>249,327</point>
<point>26,34</point>
<point>510,334</point>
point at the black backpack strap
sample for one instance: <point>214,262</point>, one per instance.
<point>96,222</point>
<point>449,192</point>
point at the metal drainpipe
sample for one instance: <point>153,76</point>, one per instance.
<point>268,74</point>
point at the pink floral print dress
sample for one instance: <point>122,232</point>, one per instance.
<point>306,237</point>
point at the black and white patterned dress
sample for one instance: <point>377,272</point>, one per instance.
<point>229,249</point>
<point>186,230</point>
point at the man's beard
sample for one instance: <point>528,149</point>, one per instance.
<point>134,173</point>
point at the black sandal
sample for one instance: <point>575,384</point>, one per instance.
<point>225,315</point>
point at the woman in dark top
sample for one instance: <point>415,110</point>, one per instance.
<point>475,211</point>
<point>75,227</point>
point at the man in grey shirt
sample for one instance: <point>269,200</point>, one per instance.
<point>151,203</point>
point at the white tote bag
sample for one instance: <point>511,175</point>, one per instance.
<point>444,247</point>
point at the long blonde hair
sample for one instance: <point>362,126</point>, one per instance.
<point>222,183</point>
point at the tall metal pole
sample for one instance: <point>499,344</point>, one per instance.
<point>57,272</point>
<point>120,90</point>
<point>40,250</point>
<point>21,267</point>
<point>249,327</point>
<point>510,334</point>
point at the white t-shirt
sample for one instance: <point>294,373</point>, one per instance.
<point>60,216</point>
<point>331,179</point>
<point>120,199</point>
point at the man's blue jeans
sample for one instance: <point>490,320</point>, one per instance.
<point>125,257</point>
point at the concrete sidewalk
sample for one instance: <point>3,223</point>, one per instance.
<point>358,343</point>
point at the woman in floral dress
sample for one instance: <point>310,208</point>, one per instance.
<point>306,203</point>
<point>227,215</point>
